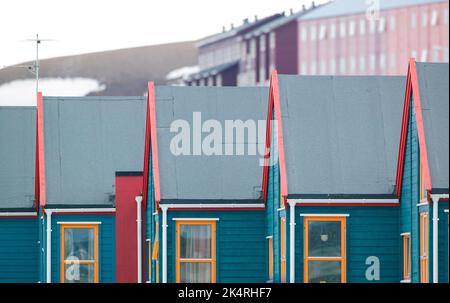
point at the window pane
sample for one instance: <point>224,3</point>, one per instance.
<point>195,241</point>
<point>324,239</point>
<point>79,244</point>
<point>324,272</point>
<point>79,273</point>
<point>195,272</point>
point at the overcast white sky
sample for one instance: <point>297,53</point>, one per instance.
<point>81,26</point>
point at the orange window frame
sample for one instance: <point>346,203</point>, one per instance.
<point>283,250</point>
<point>406,257</point>
<point>63,262</point>
<point>155,252</point>
<point>424,242</point>
<point>270,247</point>
<point>149,256</point>
<point>212,260</point>
<point>342,258</point>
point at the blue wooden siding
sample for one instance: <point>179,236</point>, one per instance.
<point>443,242</point>
<point>107,244</point>
<point>272,206</point>
<point>150,222</point>
<point>240,245</point>
<point>409,212</point>
<point>19,250</point>
<point>371,231</point>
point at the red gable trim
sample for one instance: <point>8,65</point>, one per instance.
<point>412,88</point>
<point>420,127</point>
<point>281,158</point>
<point>267,145</point>
<point>36,168</point>
<point>274,105</point>
<point>151,107</point>
<point>146,151</point>
<point>403,135</point>
<point>40,150</point>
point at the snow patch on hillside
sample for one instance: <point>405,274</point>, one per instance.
<point>23,92</point>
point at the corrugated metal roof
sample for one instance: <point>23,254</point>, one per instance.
<point>268,27</point>
<point>434,98</point>
<point>17,157</point>
<point>352,7</point>
<point>87,140</point>
<point>239,30</point>
<point>213,70</point>
<point>341,134</point>
<point>201,177</point>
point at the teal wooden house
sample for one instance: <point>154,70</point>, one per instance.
<point>81,144</point>
<point>340,203</point>
<point>422,174</point>
<point>205,212</point>
<point>19,239</point>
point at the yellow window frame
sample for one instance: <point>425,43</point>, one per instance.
<point>342,258</point>
<point>424,243</point>
<point>155,252</point>
<point>283,250</point>
<point>270,247</point>
<point>63,262</point>
<point>406,239</point>
<point>211,260</point>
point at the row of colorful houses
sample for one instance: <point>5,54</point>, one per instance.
<point>315,179</point>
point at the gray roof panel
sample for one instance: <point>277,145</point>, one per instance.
<point>87,140</point>
<point>341,134</point>
<point>352,7</point>
<point>434,98</point>
<point>203,177</point>
<point>17,157</point>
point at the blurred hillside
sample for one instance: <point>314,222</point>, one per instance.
<point>123,72</point>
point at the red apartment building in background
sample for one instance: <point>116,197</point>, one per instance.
<point>349,37</point>
<point>342,37</point>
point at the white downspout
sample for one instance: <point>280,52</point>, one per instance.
<point>292,242</point>
<point>49,246</point>
<point>435,238</point>
<point>164,243</point>
<point>139,237</point>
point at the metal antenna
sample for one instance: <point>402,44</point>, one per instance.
<point>35,68</point>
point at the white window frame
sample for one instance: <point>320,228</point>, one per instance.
<point>362,27</point>
<point>351,28</point>
<point>413,20</point>
<point>382,25</point>
<point>392,23</point>
<point>382,61</point>
<point>424,55</point>
<point>342,66</point>
<point>332,30</point>
<point>323,67</point>
<point>393,60</point>
<point>313,33</point>
<point>332,66</point>
<point>323,32</point>
<point>303,33</point>
<point>372,62</point>
<point>352,64</point>
<point>313,68</point>
<point>342,29</point>
<point>362,64</point>
<point>434,18</point>
<point>424,19</point>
